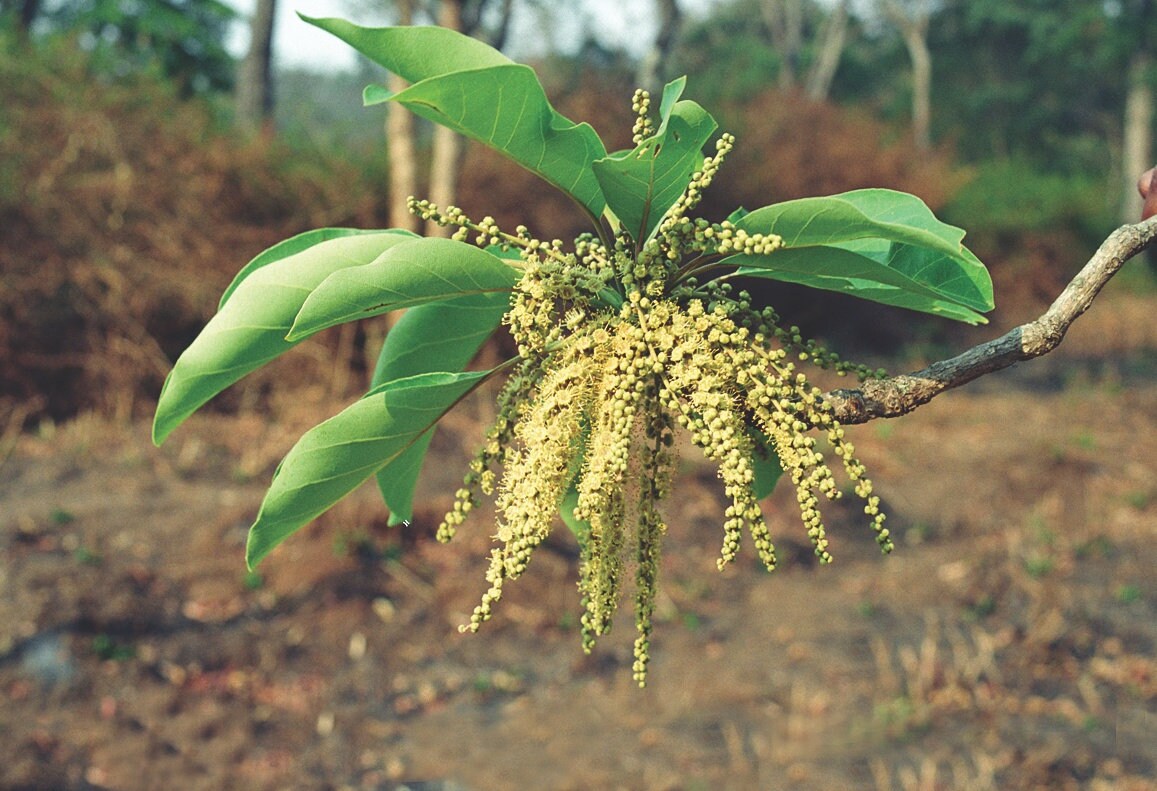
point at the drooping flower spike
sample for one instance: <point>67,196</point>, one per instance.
<point>606,381</point>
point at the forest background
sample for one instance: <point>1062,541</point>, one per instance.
<point>142,160</point>
<point>146,155</point>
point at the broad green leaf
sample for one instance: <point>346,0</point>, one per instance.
<point>249,329</point>
<point>475,90</point>
<point>335,457</point>
<point>765,464</point>
<point>505,108</point>
<point>875,292</point>
<point>291,246</point>
<point>641,185</point>
<point>862,269</point>
<point>440,336</point>
<point>414,53</point>
<point>580,528</point>
<point>875,235</point>
<point>420,271</point>
<point>672,91</point>
<point>737,214</point>
<point>859,214</point>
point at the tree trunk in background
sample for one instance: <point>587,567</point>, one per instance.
<point>400,147</point>
<point>1137,146</point>
<point>447,147</point>
<point>498,38</point>
<point>446,153</point>
<point>29,10</point>
<point>784,20</point>
<point>653,67</point>
<point>472,12</point>
<point>831,46</point>
<point>254,96</point>
<point>921,89</point>
<point>23,13</point>
<point>914,29</point>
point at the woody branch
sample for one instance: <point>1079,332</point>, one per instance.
<point>897,395</point>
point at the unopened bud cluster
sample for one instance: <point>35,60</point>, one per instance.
<point>619,347</point>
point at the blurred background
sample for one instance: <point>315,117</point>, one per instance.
<point>149,148</point>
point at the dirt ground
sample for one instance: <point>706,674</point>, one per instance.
<point>1009,643</point>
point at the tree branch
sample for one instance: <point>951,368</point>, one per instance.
<point>898,395</point>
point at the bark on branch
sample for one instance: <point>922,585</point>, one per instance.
<point>897,395</point>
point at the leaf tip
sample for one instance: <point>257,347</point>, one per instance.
<point>375,94</point>
<point>164,422</point>
<point>159,433</point>
<point>296,333</point>
<point>170,412</point>
<point>255,547</point>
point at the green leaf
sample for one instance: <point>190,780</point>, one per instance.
<point>859,214</point>
<point>672,91</point>
<point>440,336</point>
<point>249,329</point>
<point>877,236</point>
<point>580,528</point>
<point>463,84</point>
<point>875,292</point>
<point>863,269</point>
<point>505,108</point>
<point>414,53</point>
<point>641,185</point>
<point>335,457</point>
<point>291,246</point>
<point>420,271</point>
<point>737,214</point>
<point>398,479</point>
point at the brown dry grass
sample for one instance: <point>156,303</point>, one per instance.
<point>1008,644</point>
<point>125,213</point>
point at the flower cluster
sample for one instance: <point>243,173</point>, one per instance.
<point>620,346</point>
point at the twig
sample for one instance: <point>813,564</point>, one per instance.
<point>897,395</point>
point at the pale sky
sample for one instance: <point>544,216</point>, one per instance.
<point>622,23</point>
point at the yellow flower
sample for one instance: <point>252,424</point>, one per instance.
<point>618,347</point>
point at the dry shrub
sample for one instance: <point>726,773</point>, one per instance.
<point>492,185</point>
<point>124,214</point>
<point>789,147</point>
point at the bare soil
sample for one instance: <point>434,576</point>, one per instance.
<point>1009,643</point>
